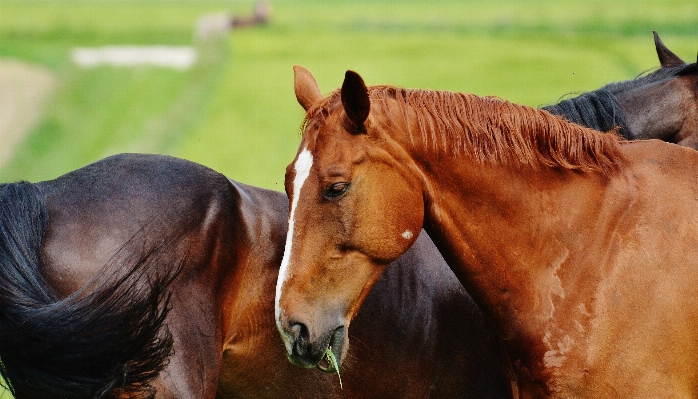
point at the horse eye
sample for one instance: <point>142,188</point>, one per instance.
<point>336,190</point>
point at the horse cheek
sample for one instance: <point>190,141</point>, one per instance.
<point>397,219</point>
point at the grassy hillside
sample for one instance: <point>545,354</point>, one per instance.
<point>236,111</point>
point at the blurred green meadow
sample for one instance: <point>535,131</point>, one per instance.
<point>235,110</point>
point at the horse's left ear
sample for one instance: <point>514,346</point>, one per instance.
<point>307,90</point>
<point>355,101</point>
<point>667,59</point>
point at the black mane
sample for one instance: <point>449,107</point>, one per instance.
<point>600,109</point>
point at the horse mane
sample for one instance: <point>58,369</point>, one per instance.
<point>599,110</point>
<point>491,130</point>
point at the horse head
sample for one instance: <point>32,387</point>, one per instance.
<point>336,246</point>
<point>663,104</point>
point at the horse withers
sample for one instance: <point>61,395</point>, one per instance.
<point>150,276</point>
<point>581,248</point>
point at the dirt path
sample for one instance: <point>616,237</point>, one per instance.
<point>23,91</point>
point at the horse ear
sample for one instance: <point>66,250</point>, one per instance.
<point>355,101</point>
<point>307,90</point>
<point>667,59</point>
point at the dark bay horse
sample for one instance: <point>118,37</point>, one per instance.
<point>144,275</point>
<point>580,247</point>
<point>660,105</point>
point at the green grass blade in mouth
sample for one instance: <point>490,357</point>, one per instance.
<point>333,362</point>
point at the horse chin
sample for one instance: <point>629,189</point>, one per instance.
<point>315,354</point>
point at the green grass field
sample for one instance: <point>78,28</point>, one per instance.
<point>236,111</point>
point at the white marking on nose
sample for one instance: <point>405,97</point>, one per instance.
<point>302,168</point>
<point>407,234</point>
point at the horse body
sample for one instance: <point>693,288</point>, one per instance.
<point>589,281</point>
<point>217,245</point>
<point>581,249</point>
<point>140,200</point>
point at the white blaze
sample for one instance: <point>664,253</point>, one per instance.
<point>407,234</point>
<point>302,169</point>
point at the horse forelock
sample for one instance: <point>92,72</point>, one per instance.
<point>321,109</point>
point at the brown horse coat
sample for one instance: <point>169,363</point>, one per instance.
<point>581,248</point>
<point>227,239</point>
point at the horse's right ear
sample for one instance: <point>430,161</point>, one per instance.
<point>667,59</point>
<point>355,101</point>
<point>307,90</point>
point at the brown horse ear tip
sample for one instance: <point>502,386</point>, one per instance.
<point>299,69</point>
<point>349,74</point>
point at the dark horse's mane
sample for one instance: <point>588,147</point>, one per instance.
<point>105,340</point>
<point>600,109</point>
<point>492,130</point>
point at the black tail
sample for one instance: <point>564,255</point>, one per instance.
<point>104,340</point>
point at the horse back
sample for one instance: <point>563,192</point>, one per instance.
<point>104,214</point>
<point>127,199</point>
<point>645,302</point>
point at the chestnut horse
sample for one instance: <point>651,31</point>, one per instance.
<point>660,105</point>
<point>580,247</point>
<point>145,275</point>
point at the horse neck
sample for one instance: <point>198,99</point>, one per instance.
<point>509,234</point>
<point>656,110</point>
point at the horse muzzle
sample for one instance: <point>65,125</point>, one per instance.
<point>307,352</point>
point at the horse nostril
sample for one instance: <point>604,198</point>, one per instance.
<point>300,336</point>
<point>299,331</point>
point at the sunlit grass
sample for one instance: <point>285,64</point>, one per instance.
<point>240,116</point>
